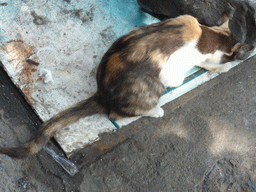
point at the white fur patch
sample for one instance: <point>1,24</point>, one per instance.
<point>215,58</point>
<point>156,112</point>
<point>181,61</point>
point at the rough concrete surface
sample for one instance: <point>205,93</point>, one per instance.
<point>205,142</point>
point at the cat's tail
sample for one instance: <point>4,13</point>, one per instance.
<point>84,108</point>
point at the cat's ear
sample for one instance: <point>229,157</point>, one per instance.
<point>224,26</point>
<point>242,51</point>
<point>225,21</point>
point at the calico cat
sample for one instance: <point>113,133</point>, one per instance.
<point>137,69</point>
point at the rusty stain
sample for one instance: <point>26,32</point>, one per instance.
<point>113,140</point>
<point>104,147</point>
<point>19,52</point>
<point>39,79</point>
<point>108,143</point>
<point>33,70</point>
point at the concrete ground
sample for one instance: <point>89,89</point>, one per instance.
<point>205,142</point>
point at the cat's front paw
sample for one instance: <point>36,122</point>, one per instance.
<point>226,67</point>
<point>159,113</point>
<point>156,113</point>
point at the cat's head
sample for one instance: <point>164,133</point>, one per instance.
<point>239,50</point>
<point>242,24</point>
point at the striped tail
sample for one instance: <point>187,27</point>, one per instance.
<point>84,108</point>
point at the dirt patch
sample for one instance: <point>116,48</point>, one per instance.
<point>38,20</point>
<point>83,15</point>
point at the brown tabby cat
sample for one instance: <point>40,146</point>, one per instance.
<point>137,69</point>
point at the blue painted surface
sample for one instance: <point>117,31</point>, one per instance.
<point>131,11</point>
<point>115,123</point>
<point>126,14</point>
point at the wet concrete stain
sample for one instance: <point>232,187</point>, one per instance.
<point>103,147</point>
<point>31,62</point>
<point>19,52</point>
<point>67,1</point>
<point>108,36</point>
<point>3,4</point>
<point>83,15</point>
<point>38,20</point>
<point>106,144</point>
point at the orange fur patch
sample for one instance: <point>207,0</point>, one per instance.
<point>192,29</point>
<point>159,58</point>
<point>138,51</point>
<point>113,66</point>
<point>113,115</point>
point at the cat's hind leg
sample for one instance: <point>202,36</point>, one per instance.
<point>140,97</point>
